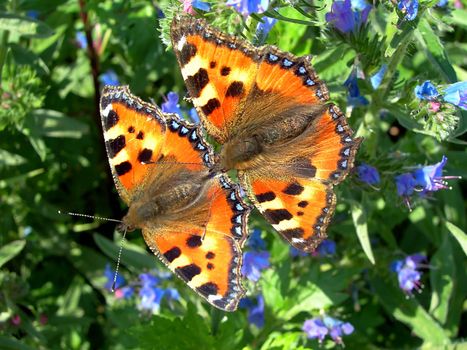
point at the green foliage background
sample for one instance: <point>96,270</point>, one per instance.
<point>52,158</point>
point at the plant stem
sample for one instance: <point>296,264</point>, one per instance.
<point>3,52</point>
<point>93,57</point>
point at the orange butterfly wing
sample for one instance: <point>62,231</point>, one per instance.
<point>263,86</point>
<point>209,260</point>
<point>142,143</point>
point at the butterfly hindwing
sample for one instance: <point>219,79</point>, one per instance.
<point>209,259</point>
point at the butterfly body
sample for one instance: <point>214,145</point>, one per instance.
<point>270,112</point>
<point>192,218</point>
<point>154,205</point>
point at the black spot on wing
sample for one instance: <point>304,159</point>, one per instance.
<point>293,233</point>
<point>197,82</point>
<point>194,241</point>
<point>266,197</point>
<point>212,64</point>
<point>275,216</point>
<point>115,145</point>
<point>131,129</point>
<point>145,155</point>
<point>235,89</point>
<point>302,204</point>
<point>123,168</point>
<point>140,135</point>
<point>225,71</point>
<point>210,255</point>
<point>208,288</point>
<point>304,167</point>
<point>172,254</point>
<point>293,189</point>
<point>210,266</point>
<point>111,119</point>
<point>210,106</point>
<point>188,51</point>
<point>188,271</point>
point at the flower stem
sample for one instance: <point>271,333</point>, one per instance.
<point>93,57</point>
<point>3,52</point>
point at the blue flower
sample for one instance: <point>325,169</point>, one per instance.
<point>193,115</point>
<point>124,292</point>
<point>327,247</point>
<point>407,271</point>
<point>294,252</point>
<point>456,94</point>
<point>109,78</point>
<point>247,7</point>
<point>337,328</point>
<point>172,294</point>
<point>148,280</point>
<point>354,98</point>
<point>109,274</point>
<point>34,14</point>
<point>368,174</point>
<point>377,78</point>
<point>442,3</point>
<point>409,8</point>
<point>426,91</point>
<point>405,184</point>
<point>255,241</point>
<point>430,178</point>
<point>150,294</point>
<point>255,310</point>
<point>315,329</point>
<point>263,28</point>
<point>171,104</point>
<point>318,328</point>
<point>151,298</point>
<point>348,16</point>
<point>253,264</point>
<point>200,5</point>
<point>80,39</point>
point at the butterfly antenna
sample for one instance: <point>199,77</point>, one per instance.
<point>89,216</point>
<point>165,162</point>
<point>118,261</point>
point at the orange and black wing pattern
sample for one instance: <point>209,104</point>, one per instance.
<point>297,197</point>
<point>239,90</point>
<point>209,259</point>
<point>225,76</point>
<point>134,133</point>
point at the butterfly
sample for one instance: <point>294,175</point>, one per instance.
<point>269,111</point>
<point>193,219</point>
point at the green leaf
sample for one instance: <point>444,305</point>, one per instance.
<point>7,343</point>
<point>459,235</point>
<point>359,220</point>
<point>435,50</point>
<point>163,333</point>
<point>130,258</point>
<point>8,159</point>
<point>458,17</point>
<point>24,26</point>
<point>441,279</point>
<point>49,123</point>
<point>409,311</point>
<point>10,250</point>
